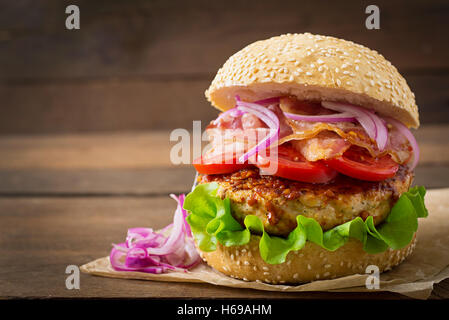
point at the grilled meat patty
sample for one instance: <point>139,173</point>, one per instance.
<point>277,201</point>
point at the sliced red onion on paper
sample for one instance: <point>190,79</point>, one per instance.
<point>155,252</point>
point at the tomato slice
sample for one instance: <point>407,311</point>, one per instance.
<point>292,165</point>
<point>219,164</point>
<point>359,164</point>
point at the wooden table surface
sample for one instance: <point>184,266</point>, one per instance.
<point>65,198</point>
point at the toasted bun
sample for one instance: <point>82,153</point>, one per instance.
<point>308,264</point>
<point>317,68</point>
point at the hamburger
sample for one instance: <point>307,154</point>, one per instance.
<point>309,168</point>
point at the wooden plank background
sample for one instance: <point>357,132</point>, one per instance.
<point>134,64</point>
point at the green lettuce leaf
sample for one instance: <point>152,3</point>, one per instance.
<point>211,221</point>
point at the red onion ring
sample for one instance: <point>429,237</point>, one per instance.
<point>153,252</point>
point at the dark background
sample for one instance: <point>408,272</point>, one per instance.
<point>143,64</point>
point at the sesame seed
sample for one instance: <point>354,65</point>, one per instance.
<point>291,78</point>
<point>317,276</point>
<point>308,73</point>
<point>245,279</point>
<point>255,268</point>
<point>309,267</point>
<point>327,274</point>
<point>246,263</point>
<point>232,256</point>
<point>295,276</point>
<point>238,262</point>
<point>265,268</point>
<point>266,273</point>
<point>327,266</point>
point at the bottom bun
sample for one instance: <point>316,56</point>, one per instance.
<point>308,264</point>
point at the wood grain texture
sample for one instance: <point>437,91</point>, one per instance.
<point>139,65</point>
<point>97,182</point>
<point>106,105</point>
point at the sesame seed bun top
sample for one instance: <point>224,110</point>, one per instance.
<point>313,67</point>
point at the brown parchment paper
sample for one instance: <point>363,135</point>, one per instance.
<point>428,264</point>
